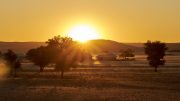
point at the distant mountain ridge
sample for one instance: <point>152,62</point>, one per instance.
<point>171,46</point>
<point>94,46</point>
<point>19,47</point>
<point>102,45</point>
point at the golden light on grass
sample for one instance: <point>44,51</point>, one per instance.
<point>4,70</point>
<point>83,33</point>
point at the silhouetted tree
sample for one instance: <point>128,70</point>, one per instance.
<point>16,66</point>
<point>12,61</point>
<point>39,56</point>
<point>1,54</point>
<point>56,45</point>
<point>66,53</point>
<point>126,53</point>
<point>156,52</point>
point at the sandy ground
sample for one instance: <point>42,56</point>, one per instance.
<point>107,81</point>
<point>95,84</point>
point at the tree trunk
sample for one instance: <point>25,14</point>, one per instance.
<point>155,69</point>
<point>15,72</point>
<point>62,73</point>
<point>11,72</point>
<point>41,69</point>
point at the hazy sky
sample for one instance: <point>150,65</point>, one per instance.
<point>120,20</point>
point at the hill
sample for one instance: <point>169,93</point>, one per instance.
<point>171,46</point>
<point>94,46</point>
<point>108,46</point>
<point>19,47</point>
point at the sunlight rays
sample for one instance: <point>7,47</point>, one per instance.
<point>83,33</point>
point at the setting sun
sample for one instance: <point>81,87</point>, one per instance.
<point>83,33</point>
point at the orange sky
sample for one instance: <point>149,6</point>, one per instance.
<point>120,20</point>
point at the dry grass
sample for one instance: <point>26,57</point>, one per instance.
<point>94,84</point>
<point>117,81</point>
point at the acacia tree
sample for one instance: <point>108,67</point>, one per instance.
<point>12,61</point>
<point>16,66</point>
<point>156,52</point>
<point>1,54</point>
<point>66,53</point>
<point>126,53</point>
<point>39,56</point>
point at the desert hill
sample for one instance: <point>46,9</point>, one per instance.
<point>108,46</point>
<point>19,47</point>
<point>94,46</point>
<point>171,46</point>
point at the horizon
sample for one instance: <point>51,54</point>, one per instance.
<point>87,41</point>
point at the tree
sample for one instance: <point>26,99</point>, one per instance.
<point>1,54</point>
<point>12,61</point>
<point>156,52</point>
<point>56,45</point>
<point>66,53</point>
<point>16,66</point>
<point>126,53</point>
<point>40,57</point>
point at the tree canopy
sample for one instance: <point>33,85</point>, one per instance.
<point>12,61</point>
<point>61,51</point>
<point>40,57</point>
<point>156,52</point>
<point>65,52</point>
<point>126,53</point>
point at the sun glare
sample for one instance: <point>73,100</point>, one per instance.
<point>83,33</point>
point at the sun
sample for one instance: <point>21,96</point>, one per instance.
<point>83,33</point>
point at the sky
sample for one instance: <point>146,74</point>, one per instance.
<point>119,20</point>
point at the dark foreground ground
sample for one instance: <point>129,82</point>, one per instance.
<point>95,84</point>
